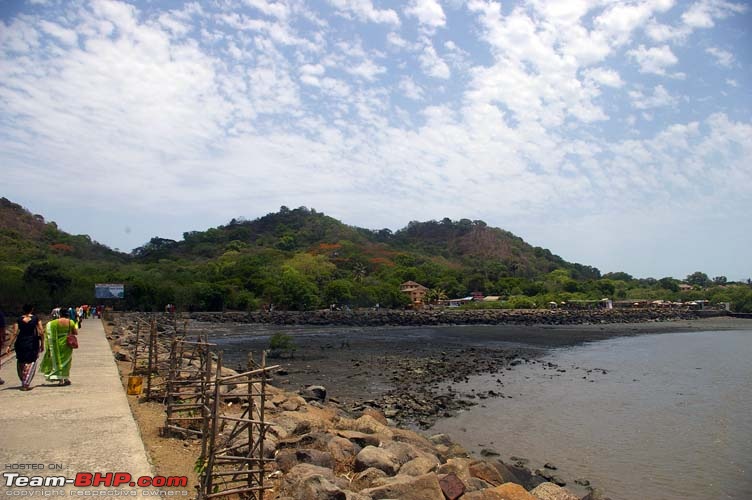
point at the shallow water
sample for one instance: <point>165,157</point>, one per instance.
<point>670,419</point>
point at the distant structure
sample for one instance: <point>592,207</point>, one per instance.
<point>415,291</point>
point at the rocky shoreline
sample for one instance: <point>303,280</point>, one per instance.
<point>427,317</point>
<point>328,446</point>
<point>322,450</point>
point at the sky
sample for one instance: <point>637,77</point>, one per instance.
<point>617,134</point>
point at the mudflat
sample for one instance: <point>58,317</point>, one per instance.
<point>409,372</point>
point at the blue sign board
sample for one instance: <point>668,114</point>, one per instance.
<point>109,290</point>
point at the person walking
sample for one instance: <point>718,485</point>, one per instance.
<point>27,341</point>
<point>58,353</point>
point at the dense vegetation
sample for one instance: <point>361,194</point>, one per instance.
<point>301,259</point>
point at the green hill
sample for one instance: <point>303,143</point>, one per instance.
<point>295,259</point>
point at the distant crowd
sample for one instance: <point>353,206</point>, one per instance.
<point>56,340</point>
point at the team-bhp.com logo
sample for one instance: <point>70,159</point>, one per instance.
<point>95,480</point>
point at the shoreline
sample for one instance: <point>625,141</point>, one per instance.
<point>453,316</point>
<point>423,360</point>
<point>408,372</point>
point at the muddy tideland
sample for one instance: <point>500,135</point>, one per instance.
<point>413,374</point>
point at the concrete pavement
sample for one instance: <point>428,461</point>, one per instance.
<point>84,427</point>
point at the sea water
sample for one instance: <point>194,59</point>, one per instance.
<point>655,417</point>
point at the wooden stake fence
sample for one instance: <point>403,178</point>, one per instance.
<point>188,387</point>
<point>234,460</point>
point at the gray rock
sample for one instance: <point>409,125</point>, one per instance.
<point>315,457</point>
<point>378,458</point>
<point>342,450</point>
<point>420,465</point>
<point>367,478</point>
<point>360,438</point>
<point>550,491</point>
<point>424,487</point>
<point>314,393</point>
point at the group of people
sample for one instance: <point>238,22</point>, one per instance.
<point>30,338</point>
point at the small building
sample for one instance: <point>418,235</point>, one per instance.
<point>459,302</point>
<point>415,291</point>
<point>685,287</point>
<point>491,298</point>
<point>477,296</point>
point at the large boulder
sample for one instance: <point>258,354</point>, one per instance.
<point>310,482</point>
<point>551,491</point>
<point>360,438</point>
<point>404,452</point>
<point>512,491</point>
<point>486,472</point>
<point>378,458</point>
<point>315,487</point>
<point>424,487</point>
<point>376,414</point>
<point>420,465</point>
<point>314,393</point>
<point>342,450</point>
<point>506,473</point>
<point>507,491</point>
<point>292,404</point>
<point>315,457</point>
<point>457,466</point>
<point>367,479</point>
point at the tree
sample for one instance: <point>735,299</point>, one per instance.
<point>619,275</point>
<point>720,280</point>
<point>668,284</point>
<point>48,275</point>
<point>338,292</point>
<point>435,295</point>
<point>698,279</point>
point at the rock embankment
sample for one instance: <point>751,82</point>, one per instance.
<point>321,452</point>
<point>450,317</point>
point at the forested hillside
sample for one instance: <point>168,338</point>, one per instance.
<point>302,259</point>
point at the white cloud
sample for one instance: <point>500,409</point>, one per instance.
<point>365,11</point>
<point>659,98</point>
<point>619,21</point>
<point>215,97</point>
<point>366,69</point>
<point>428,12</point>
<point>394,39</point>
<point>653,60</point>
<point>411,89</point>
<point>275,9</point>
<point>68,37</point>
<point>722,57</point>
<point>604,76</point>
<point>702,14</point>
<point>432,64</point>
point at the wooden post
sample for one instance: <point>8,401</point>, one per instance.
<point>151,363</point>
<point>156,344</point>
<point>134,366</point>
<point>171,387</point>
<point>262,427</point>
<point>208,480</point>
<point>205,410</point>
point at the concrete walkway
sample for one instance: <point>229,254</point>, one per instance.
<point>84,427</point>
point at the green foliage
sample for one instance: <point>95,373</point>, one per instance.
<point>280,344</point>
<point>299,259</point>
<point>698,279</point>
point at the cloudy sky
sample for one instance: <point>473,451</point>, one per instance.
<point>615,133</point>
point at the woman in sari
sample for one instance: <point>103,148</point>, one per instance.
<point>27,342</point>
<point>58,355</point>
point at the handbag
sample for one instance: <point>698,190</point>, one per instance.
<point>71,340</point>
